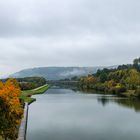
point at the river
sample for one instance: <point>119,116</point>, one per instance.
<point>65,114</point>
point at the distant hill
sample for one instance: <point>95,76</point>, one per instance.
<point>57,73</point>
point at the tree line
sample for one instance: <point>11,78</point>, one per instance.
<point>123,79</point>
<point>28,83</point>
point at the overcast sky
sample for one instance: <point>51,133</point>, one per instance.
<point>37,33</point>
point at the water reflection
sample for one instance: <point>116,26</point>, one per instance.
<point>124,102</point>
<point>130,103</point>
<point>104,99</point>
<point>64,114</point>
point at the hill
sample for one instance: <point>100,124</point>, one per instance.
<point>56,73</point>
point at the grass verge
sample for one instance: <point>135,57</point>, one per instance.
<point>26,94</point>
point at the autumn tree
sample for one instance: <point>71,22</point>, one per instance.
<point>10,109</point>
<point>133,80</point>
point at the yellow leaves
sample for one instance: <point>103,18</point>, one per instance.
<point>1,85</point>
<point>118,85</point>
<point>133,80</point>
<point>10,93</point>
<point>11,110</point>
<point>110,83</point>
<point>89,79</point>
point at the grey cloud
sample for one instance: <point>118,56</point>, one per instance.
<point>38,18</point>
<point>70,33</point>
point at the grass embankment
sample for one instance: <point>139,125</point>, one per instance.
<point>26,94</point>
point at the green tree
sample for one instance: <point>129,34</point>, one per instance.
<point>133,80</point>
<point>103,77</point>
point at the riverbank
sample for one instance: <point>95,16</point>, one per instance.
<point>26,97</point>
<point>26,94</point>
<point>127,94</point>
<point>23,126</point>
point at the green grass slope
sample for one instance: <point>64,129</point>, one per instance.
<point>26,94</point>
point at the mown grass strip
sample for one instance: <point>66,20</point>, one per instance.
<point>26,94</point>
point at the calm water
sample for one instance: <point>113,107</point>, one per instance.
<point>62,114</point>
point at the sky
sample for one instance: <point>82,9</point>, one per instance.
<point>36,33</point>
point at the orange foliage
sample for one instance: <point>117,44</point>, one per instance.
<point>9,94</point>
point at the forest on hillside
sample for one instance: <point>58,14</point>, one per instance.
<point>124,80</point>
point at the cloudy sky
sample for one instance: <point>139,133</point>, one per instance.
<point>37,33</point>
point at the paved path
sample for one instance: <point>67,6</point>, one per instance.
<point>23,126</point>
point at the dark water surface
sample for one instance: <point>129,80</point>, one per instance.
<point>63,114</point>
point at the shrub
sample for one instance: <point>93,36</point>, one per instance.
<point>137,92</point>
